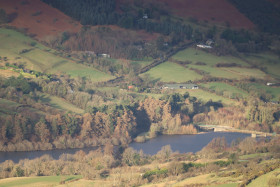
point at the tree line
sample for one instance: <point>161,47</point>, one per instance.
<point>104,13</point>
<point>261,12</point>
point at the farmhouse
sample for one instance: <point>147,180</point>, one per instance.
<point>180,86</point>
<point>204,46</point>
<point>145,16</point>
<point>272,84</point>
<point>104,55</point>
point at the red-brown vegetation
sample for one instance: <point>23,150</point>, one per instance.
<point>38,18</point>
<point>219,11</point>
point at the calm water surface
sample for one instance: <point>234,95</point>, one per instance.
<point>181,143</point>
<point>185,143</point>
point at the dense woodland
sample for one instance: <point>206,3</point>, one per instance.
<point>261,12</point>
<point>105,13</point>
<point>35,125</point>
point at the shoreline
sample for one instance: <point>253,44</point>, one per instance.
<point>213,128</point>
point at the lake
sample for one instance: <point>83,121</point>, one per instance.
<point>181,143</point>
<point>185,143</point>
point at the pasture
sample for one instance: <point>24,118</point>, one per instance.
<point>263,181</point>
<point>240,72</point>
<point>225,89</point>
<point>206,96</point>
<point>196,55</point>
<point>269,61</point>
<point>38,181</point>
<point>59,103</point>
<point>171,72</point>
<point>209,178</point>
<point>21,49</point>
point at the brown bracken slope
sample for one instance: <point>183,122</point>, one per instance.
<point>215,11</point>
<point>219,11</point>
<point>38,18</point>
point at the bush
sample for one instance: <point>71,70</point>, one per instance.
<point>157,172</point>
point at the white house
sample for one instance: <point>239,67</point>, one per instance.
<point>204,46</point>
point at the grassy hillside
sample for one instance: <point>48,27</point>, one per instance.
<point>38,181</point>
<point>269,61</point>
<point>59,103</point>
<point>206,96</point>
<point>24,50</point>
<point>171,72</point>
<point>196,56</point>
<point>265,180</point>
<point>223,88</point>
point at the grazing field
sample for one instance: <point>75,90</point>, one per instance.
<point>171,72</point>
<point>21,49</point>
<point>225,185</point>
<point>210,61</point>
<point>222,88</point>
<point>142,63</point>
<point>246,72</point>
<point>11,108</point>
<point>206,96</point>
<point>263,181</point>
<point>38,181</point>
<point>252,156</point>
<point>197,55</point>
<point>208,178</point>
<point>60,103</point>
<point>268,60</point>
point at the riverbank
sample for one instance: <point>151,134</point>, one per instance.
<point>217,128</point>
<point>143,137</point>
<point>185,143</point>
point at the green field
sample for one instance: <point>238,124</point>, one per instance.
<point>60,103</point>
<point>11,108</point>
<point>171,72</point>
<point>41,58</point>
<point>263,180</point>
<point>251,156</point>
<point>210,60</point>
<point>206,96</point>
<point>208,178</point>
<point>225,185</point>
<point>226,89</point>
<point>197,55</point>
<point>268,60</point>
<point>142,63</point>
<point>38,181</point>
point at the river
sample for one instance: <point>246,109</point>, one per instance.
<point>181,143</point>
